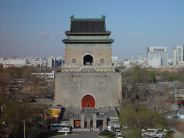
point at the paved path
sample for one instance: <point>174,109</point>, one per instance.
<point>79,135</point>
<point>178,135</point>
<point>179,124</point>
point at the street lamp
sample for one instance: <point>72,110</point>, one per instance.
<point>175,100</point>
<point>24,123</point>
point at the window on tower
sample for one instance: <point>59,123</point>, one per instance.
<point>102,61</point>
<point>74,60</point>
<point>87,60</point>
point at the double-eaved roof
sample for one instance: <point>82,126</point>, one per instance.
<point>87,26</point>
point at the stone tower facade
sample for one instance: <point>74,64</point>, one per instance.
<point>88,80</point>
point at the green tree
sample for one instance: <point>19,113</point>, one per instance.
<point>137,117</point>
<point>14,115</point>
<point>139,75</point>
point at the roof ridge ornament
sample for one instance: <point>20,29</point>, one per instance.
<point>103,17</point>
<point>72,17</point>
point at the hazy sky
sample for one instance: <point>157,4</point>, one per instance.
<point>36,27</point>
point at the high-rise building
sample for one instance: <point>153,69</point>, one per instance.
<point>141,56</point>
<point>54,62</point>
<point>178,54</point>
<point>157,56</point>
<point>58,61</point>
<point>50,62</point>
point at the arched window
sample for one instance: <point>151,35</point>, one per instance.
<point>74,60</point>
<point>87,60</point>
<point>102,61</point>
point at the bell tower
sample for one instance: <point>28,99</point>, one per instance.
<point>88,45</point>
<point>88,83</point>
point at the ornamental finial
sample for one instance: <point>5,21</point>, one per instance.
<point>103,17</point>
<point>72,17</point>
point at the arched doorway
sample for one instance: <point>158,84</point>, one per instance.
<point>88,101</point>
<point>87,60</point>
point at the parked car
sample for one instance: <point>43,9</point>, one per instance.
<point>180,114</point>
<point>117,131</point>
<point>153,133</point>
<point>119,135</point>
<point>170,115</point>
<point>60,128</point>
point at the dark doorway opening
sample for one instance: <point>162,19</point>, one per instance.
<point>77,124</point>
<point>85,124</point>
<point>99,124</point>
<point>91,123</point>
<point>87,60</point>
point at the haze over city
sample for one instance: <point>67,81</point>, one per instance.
<point>91,68</point>
<point>36,28</point>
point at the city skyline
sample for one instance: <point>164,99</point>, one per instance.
<point>36,28</point>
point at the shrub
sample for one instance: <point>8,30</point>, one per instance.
<point>107,134</point>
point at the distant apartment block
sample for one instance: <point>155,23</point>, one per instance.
<point>36,62</point>
<point>178,55</point>
<point>48,75</point>
<point>117,62</point>
<point>13,62</point>
<point>31,61</point>
<point>142,61</point>
<point>157,56</point>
